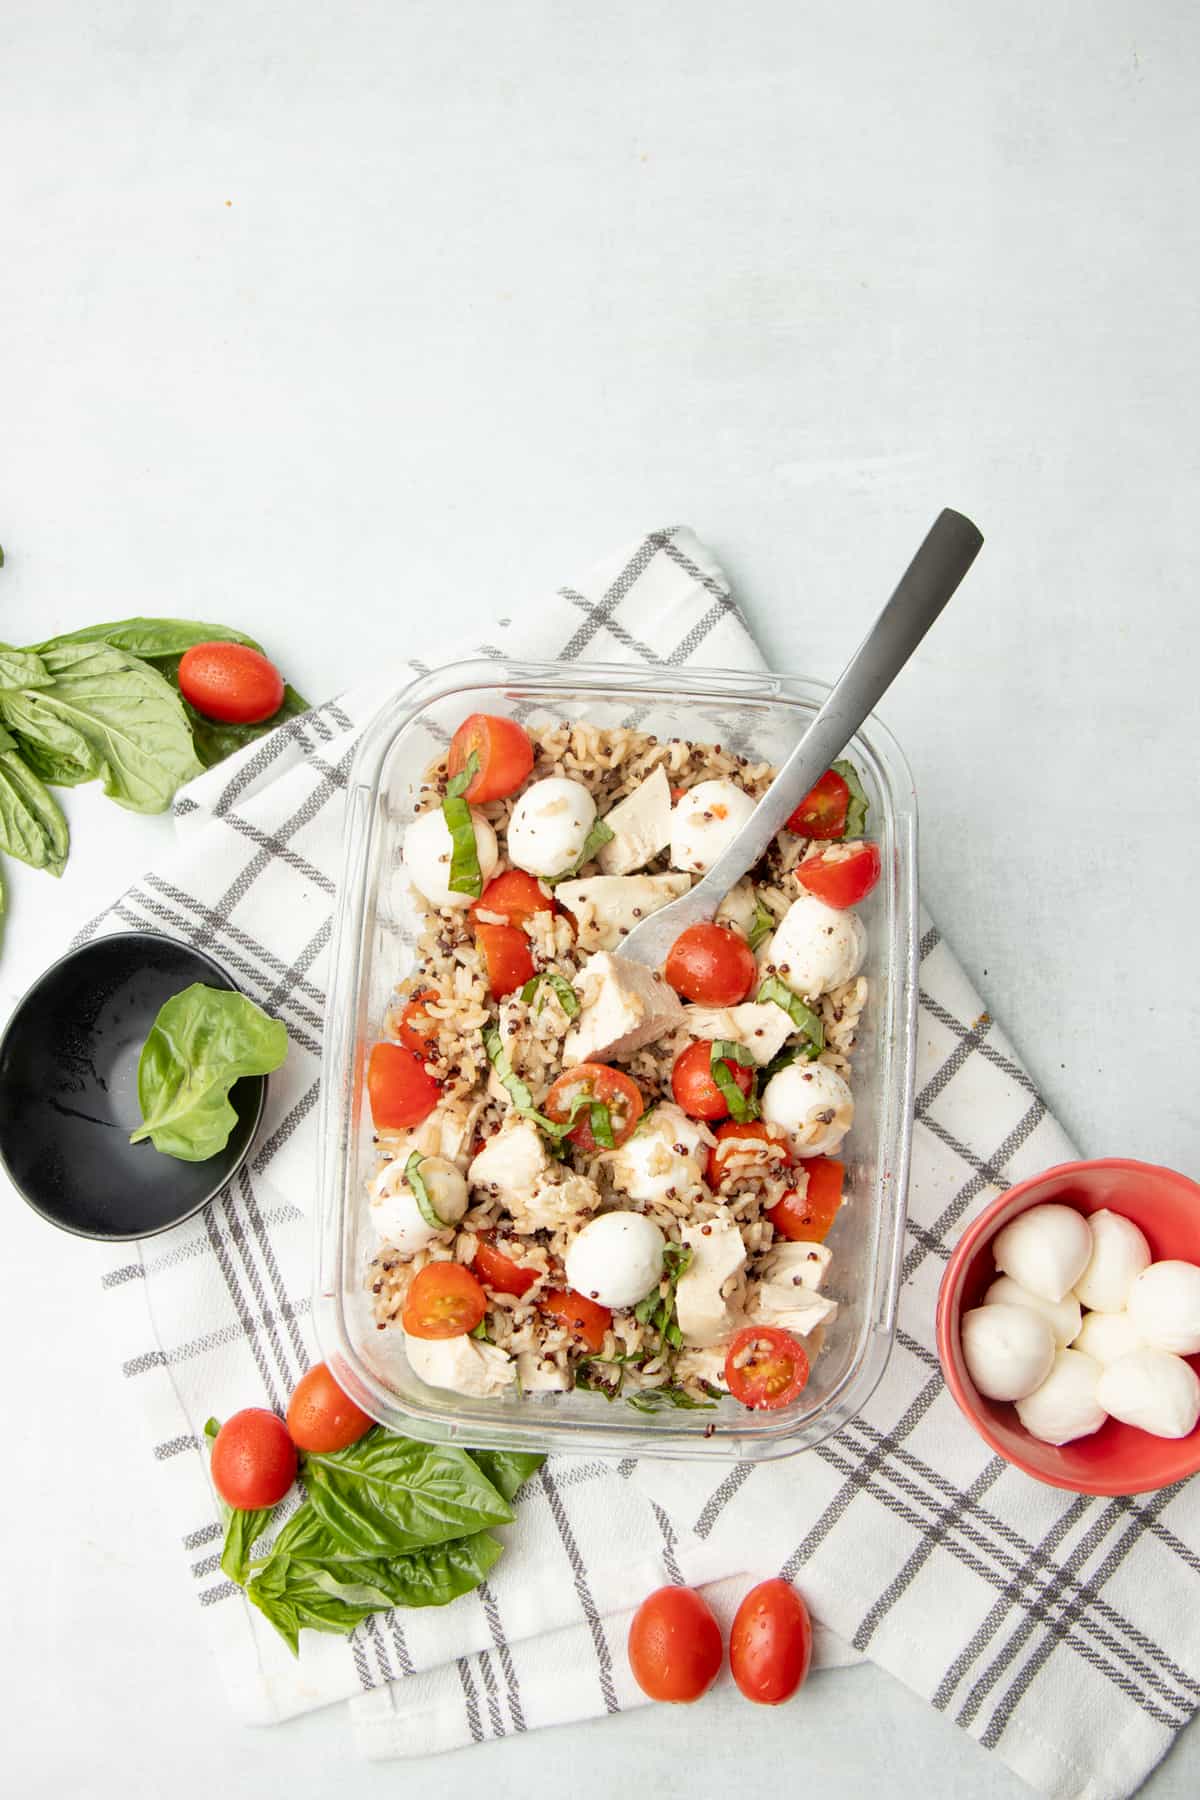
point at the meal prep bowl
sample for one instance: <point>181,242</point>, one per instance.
<point>1117,1459</point>
<point>68,1091</point>
<point>759,714</point>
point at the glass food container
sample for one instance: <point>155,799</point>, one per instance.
<point>753,713</point>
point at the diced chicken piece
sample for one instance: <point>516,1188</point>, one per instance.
<point>792,1308</point>
<point>607,907</point>
<point>667,1151</point>
<point>703,1365</point>
<point>540,1374</point>
<point>560,1198</point>
<point>701,1306</point>
<point>640,824</point>
<point>462,1364</point>
<point>739,907</point>
<point>511,1162</point>
<point>764,1030</point>
<point>624,1007</point>
<point>797,1264</point>
<point>447,1132</point>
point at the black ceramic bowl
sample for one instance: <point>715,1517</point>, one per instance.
<point>68,1091</point>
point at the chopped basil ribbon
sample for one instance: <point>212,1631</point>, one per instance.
<point>466,877</point>
<point>658,1309</point>
<point>802,1017</point>
<point>522,1099</point>
<point>568,998</point>
<point>856,812</point>
<point>763,924</point>
<point>597,837</point>
<point>658,1399</point>
<point>741,1106</point>
<point>415,1180</point>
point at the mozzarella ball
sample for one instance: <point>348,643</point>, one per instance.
<point>1008,1350</point>
<point>817,947</point>
<point>1065,1407</point>
<point>668,1151</point>
<point>395,1212</point>
<point>1046,1249</point>
<point>1064,1316</point>
<point>1119,1254</point>
<point>428,848</point>
<point>1107,1336</point>
<point>549,826</point>
<point>616,1259</point>
<point>1164,1304</point>
<point>1153,1390</point>
<point>706,819</point>
<point>814,1105</point>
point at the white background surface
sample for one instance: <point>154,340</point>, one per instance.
<point>332,322</point>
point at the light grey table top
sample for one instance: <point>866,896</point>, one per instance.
<point>334,322</point>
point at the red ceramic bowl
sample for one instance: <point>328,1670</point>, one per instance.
<point>1117,1459</point>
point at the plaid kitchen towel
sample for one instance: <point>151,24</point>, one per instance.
<point>1063,1633</point>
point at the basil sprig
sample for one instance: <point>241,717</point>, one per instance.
<point>568,998</point>
<point>522,1099</point>
<point>388,1522</point>
<point>415,1180</point>
<point>741,1106</point>
<point>856,812</point>
<point>803,1017</point>
<point>762,925</point>
<point>593,843</point>
<point>466,877</point>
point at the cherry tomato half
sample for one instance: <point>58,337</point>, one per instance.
<point>843,881</point>
<point>770,1645</point>
<point>694,1086</point>
<point>507,956</point>
<point>612,1088</point>
<point>400,1090</point>
<point>321,1417</point>
<point>674,1645</point>
<point>765,1367</point>
<point>823,810</point>
<point>711,963</point>
<point>757,1148</point>
<point>807,1217</point>
<point>230,682</point>
<point>444,1301</point>
<point>505,755</point>
<point>253,1459</point>
<point>514,897</point>
<point>418,1028</point>
<point>583,1318</point>
<point>500,1272</point>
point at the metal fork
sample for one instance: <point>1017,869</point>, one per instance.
<point>925,587</point>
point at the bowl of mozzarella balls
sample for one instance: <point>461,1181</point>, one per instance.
<point>1069,1326</point>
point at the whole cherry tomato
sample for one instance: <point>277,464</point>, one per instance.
<point>674,1645</point>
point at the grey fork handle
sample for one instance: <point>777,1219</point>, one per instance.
<point>923,590</point>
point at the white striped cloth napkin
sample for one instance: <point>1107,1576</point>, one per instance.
<point>1060,1632</point>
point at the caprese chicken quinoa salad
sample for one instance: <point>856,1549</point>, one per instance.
<point>591,1174</point>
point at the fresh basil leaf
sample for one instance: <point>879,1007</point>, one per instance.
<point>151,638</point>
<point>661,1399</point>
<point>481,1334</point>
<point>784,1059</point>
<point>522,1097</point>
<point>856,812</point>
<point>211,1427</point>
<point>425,1206</point>
<point>22,669</point>
<point>658,1308</point>
<point>762,925</point>
<point>32,826</point>
<point>466,877</point>
<point>292,1600</point>
<point>56,769</point>
<point>242,1531</point>
<point>568,998</point>
<point>530,988</point>
<point>507,1470</point>
<point>215,739</point>
<point>429,1577</point>
<point>590,1382</point>
<point>593,843</point>
<point>387,1495</point>
<point>602,1126</point>
<point>803,1017</point>
<point>741,1106</point>
<point>109,713</point>
<point>203,1040</point>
